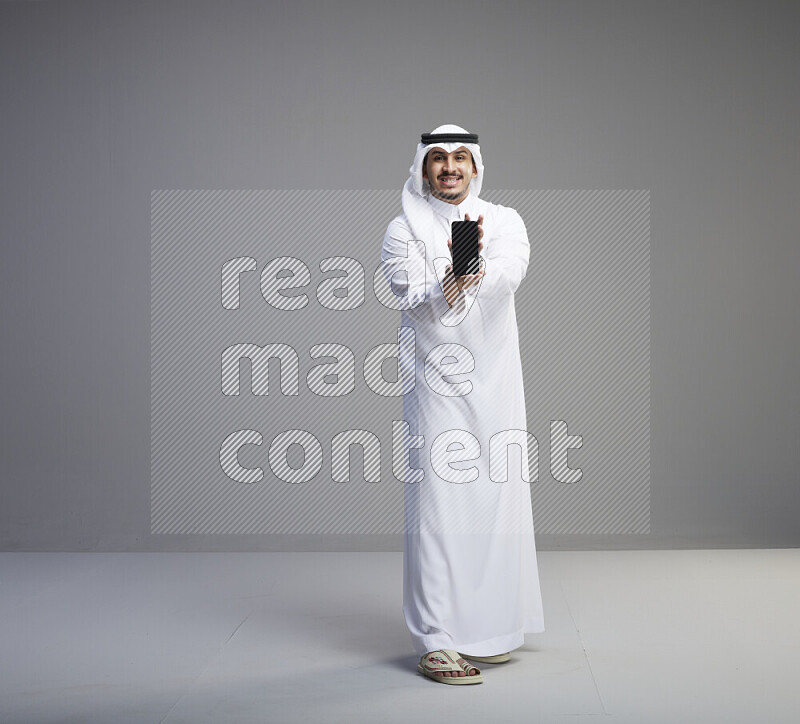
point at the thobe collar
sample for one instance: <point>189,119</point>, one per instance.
<point>453,212</point>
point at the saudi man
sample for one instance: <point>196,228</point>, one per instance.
<point>470,578</point>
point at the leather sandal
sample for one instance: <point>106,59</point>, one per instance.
<point>497,659</point>
<point>447,660</point>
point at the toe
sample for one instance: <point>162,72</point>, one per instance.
<point>471,670</point>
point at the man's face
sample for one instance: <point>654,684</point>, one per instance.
<point>449,174</point>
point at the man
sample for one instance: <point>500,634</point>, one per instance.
<point>470,579</point>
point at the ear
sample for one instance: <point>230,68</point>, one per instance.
<point>474,169</point>
<point>425,166</point>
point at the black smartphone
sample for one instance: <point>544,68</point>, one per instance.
<point>465,235</point>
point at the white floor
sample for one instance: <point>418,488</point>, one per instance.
<point>632,636</point>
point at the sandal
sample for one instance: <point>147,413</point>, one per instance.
<point>497,659</point>
<point>446,660</point>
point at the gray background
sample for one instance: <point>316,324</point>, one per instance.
<point>104,102</point>
<point>583,313</point>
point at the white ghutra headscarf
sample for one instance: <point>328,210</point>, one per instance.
<point>419,212</point>
<point>416,189</point>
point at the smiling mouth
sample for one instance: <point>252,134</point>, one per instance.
<point>449,180</point>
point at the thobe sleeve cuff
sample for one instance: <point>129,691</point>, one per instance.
<point>404,266</point>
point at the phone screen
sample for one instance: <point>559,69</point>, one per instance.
<point>465,236</point>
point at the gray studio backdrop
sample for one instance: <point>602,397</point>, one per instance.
<point>651,148</point>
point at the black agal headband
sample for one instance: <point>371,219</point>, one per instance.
<point>428,138</point>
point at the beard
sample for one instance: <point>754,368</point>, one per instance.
<point>448,195</point>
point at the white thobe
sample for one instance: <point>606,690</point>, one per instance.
<point>470,577</point>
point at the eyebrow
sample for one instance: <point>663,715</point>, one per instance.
<point>440,150</point>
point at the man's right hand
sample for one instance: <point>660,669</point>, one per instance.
<point>453,285</point>
<point>450,286</point>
